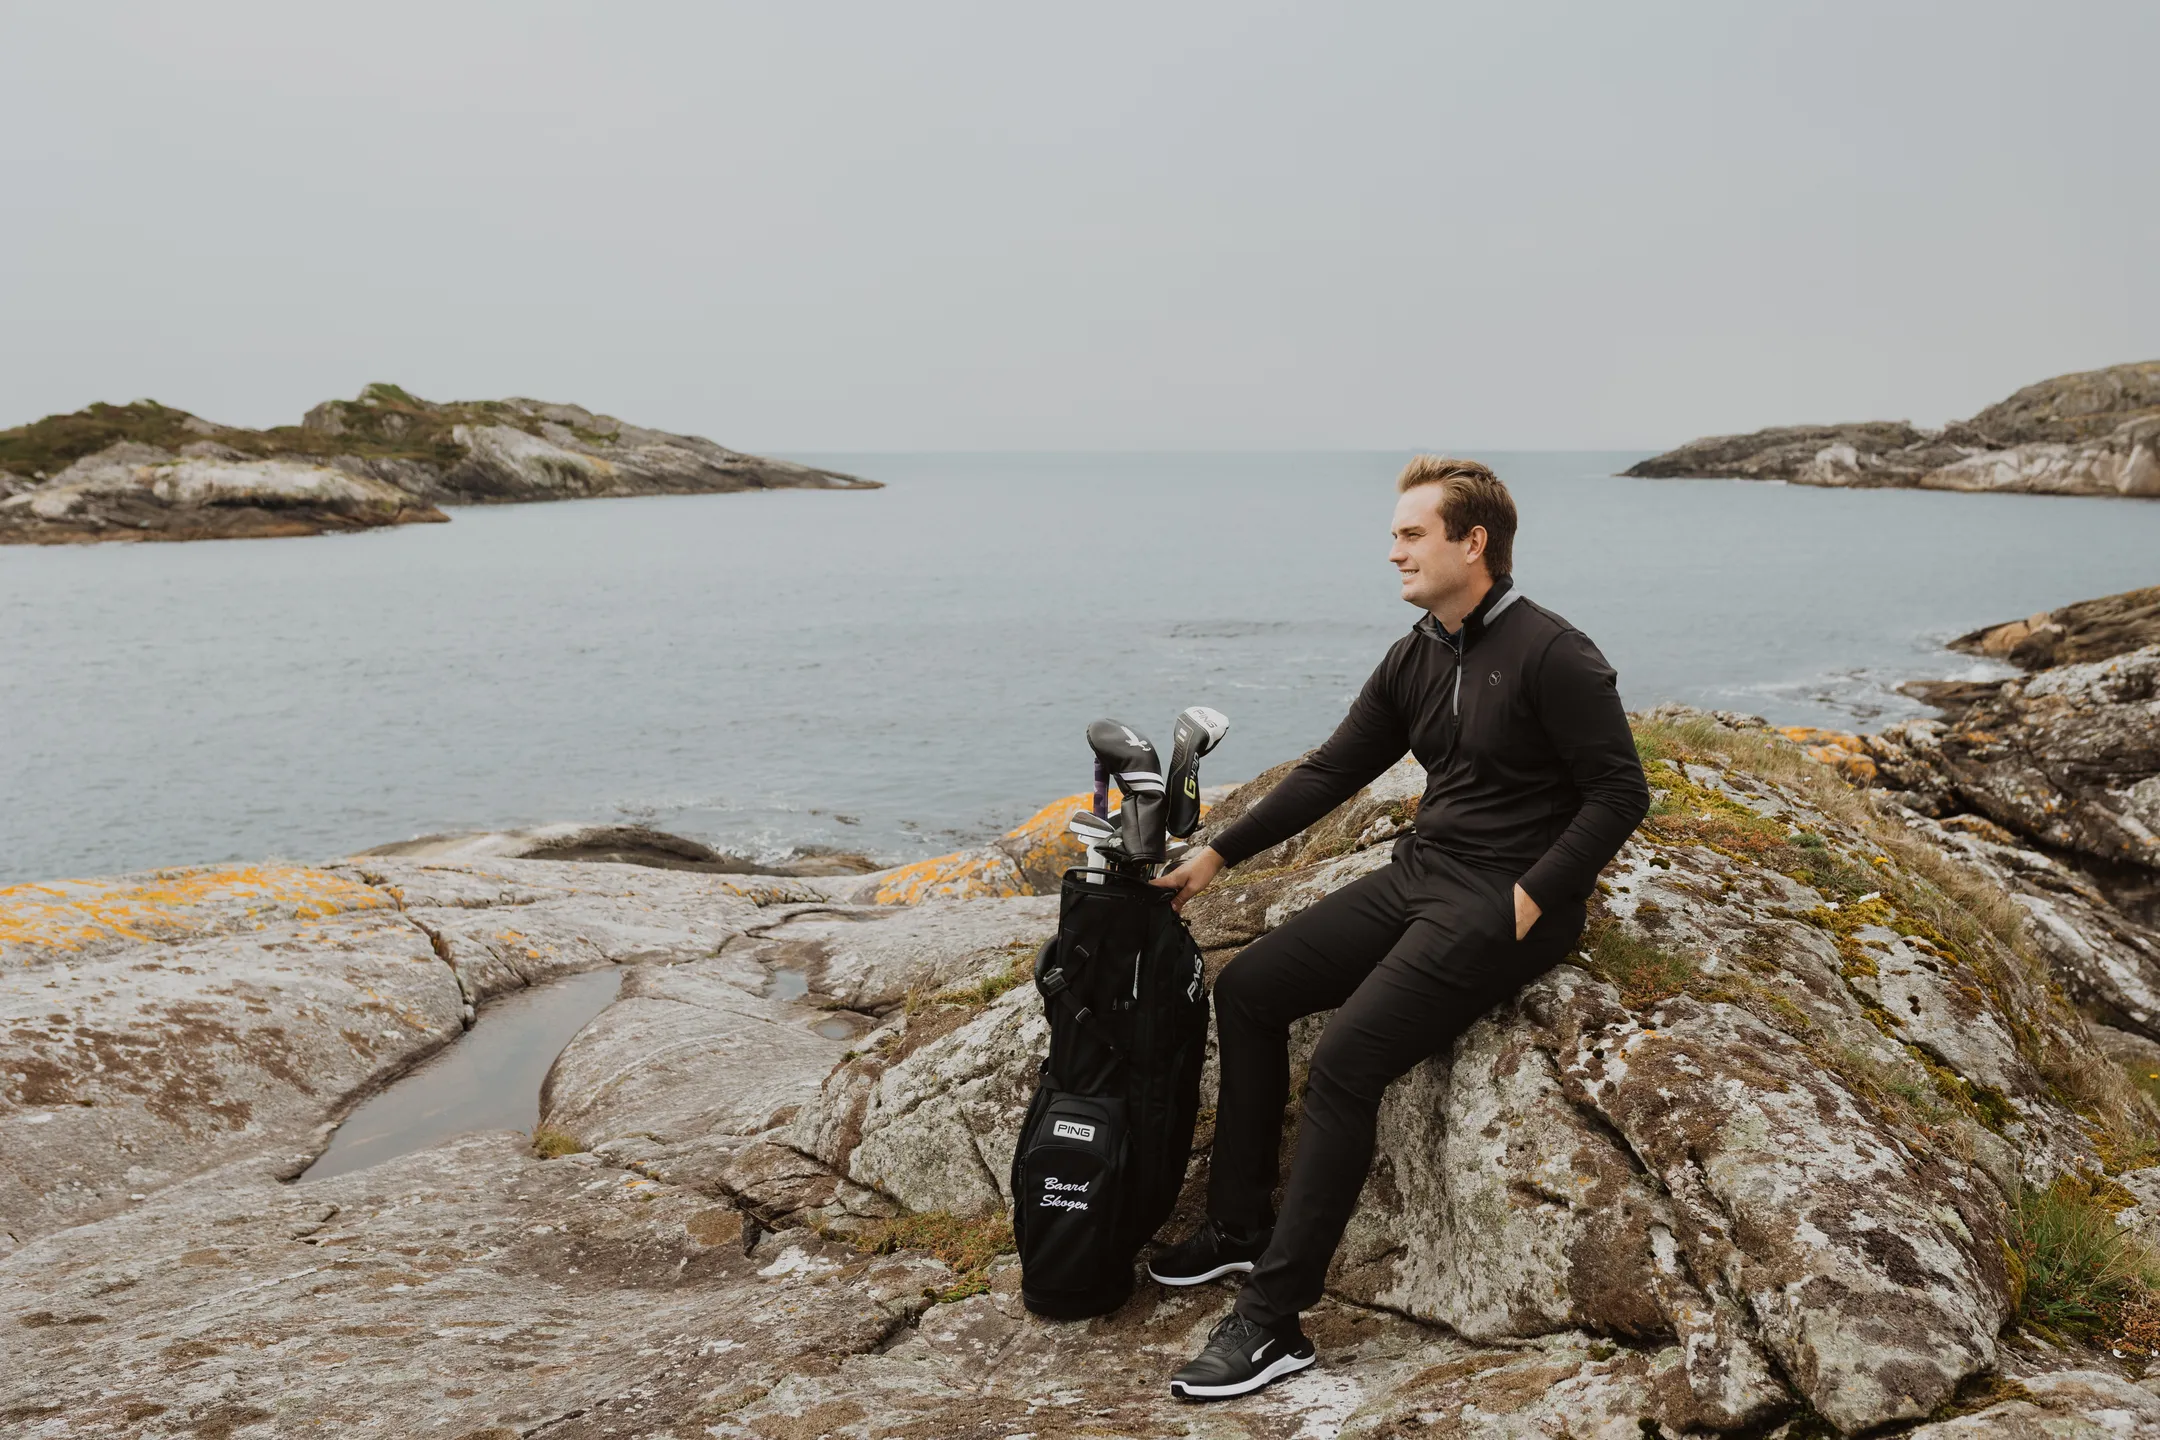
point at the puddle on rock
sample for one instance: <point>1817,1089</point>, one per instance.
<point>790,984</point>
<point>834,1029</point>
<point>488,1079</point>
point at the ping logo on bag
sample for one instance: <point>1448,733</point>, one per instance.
<point>1072,1130</point>
<point>1065,1194</point>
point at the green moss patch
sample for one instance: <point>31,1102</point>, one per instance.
<point>1684,812</point>
<point>1979,1392</point>
<point>968,1246</point>
<point>48,446</point>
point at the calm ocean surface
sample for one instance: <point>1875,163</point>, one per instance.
<point>906,670</point>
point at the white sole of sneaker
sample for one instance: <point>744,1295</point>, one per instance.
<point>1277,1368</point>
<point>1217,1273</point>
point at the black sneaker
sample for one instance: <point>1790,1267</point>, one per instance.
<point>1242,1356</point>
<point>1208,1254</point>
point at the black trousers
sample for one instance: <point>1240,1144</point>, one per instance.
<point>1408,957</point>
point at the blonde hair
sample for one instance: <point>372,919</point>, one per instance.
<point>1470,495</point>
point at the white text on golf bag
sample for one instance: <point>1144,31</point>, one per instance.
<point>1059,1194</point>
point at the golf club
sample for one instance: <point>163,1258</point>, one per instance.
<point>1132,761</point>
<point>1197,731</point>
<point>1100,835</point>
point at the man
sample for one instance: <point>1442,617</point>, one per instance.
<point>1532,784</point>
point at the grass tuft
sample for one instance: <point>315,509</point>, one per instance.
<point>2079,1275</point>
<point>551,1143</point>
<point>1643,973</point>
<point>982,992</point>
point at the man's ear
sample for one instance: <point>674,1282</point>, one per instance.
<point>1476,540</point>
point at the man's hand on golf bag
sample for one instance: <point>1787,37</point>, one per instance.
<point>1191,876</point>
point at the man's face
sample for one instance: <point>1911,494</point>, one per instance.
<point>1435,570</point>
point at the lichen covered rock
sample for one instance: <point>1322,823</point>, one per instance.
<point>1767,1128</point>
<point>1748,1159</point>
<point>2069,757</point>
<point>156,1026</point>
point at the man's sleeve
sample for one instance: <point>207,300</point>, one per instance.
<point>1372,737</point>
<point>1578,700</point>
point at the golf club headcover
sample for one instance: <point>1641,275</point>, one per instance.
<point>1197,731</point>
<point>1130,757</point>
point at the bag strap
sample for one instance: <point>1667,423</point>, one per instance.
<point>1056,988</point>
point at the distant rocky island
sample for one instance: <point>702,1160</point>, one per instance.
<point>146,471</point>
<point>2092,433</point>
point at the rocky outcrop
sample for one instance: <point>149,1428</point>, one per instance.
<point>148,472</point>
<point>477,452</point>
<point>2093,433</point>
<point>2086,630</point>
<point>616,845</point>
<point>131,491</point>
<point>1764,1135</point>
<point>152,1027</point>
<point>466,1290</point>
<point>2049,785</point>
<point>1748,1162</point>
<point>2069,758</point>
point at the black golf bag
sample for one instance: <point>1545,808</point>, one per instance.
<point>1103,1150</point>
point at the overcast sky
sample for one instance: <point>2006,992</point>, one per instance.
<point>944,226</point>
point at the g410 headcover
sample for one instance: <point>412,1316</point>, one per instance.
<point>1131,760</point>
<point>1197,731</point>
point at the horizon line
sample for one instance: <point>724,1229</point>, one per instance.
<point>1208,450</point>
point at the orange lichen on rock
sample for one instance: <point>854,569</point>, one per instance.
<point>1029,859</point>
<point>963,875</point>
<point>1042,847</point>
<point>63,919</point>
<point>1845,753</point>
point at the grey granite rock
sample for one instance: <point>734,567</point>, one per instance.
<point>2093,433</point>
<point>1752,1150</point>
<point>169,1029</point>
<point>2072,634</point>
<point>2069,757</point>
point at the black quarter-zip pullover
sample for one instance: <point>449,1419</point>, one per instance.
<point>1530,767</point>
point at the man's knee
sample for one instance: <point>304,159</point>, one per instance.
<point>1242,991</point>
<point>1341,1070</point>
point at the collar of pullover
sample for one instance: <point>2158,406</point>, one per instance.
<point>1497,599</point>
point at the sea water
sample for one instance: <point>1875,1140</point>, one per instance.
<point>902,671</point>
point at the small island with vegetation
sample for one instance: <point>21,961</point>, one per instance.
<point>145,471</point>
<point>2093,433</point>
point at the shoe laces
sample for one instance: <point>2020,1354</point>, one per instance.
<point>1234,1332</point>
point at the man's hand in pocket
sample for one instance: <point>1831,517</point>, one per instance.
<point>1526,912</point>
